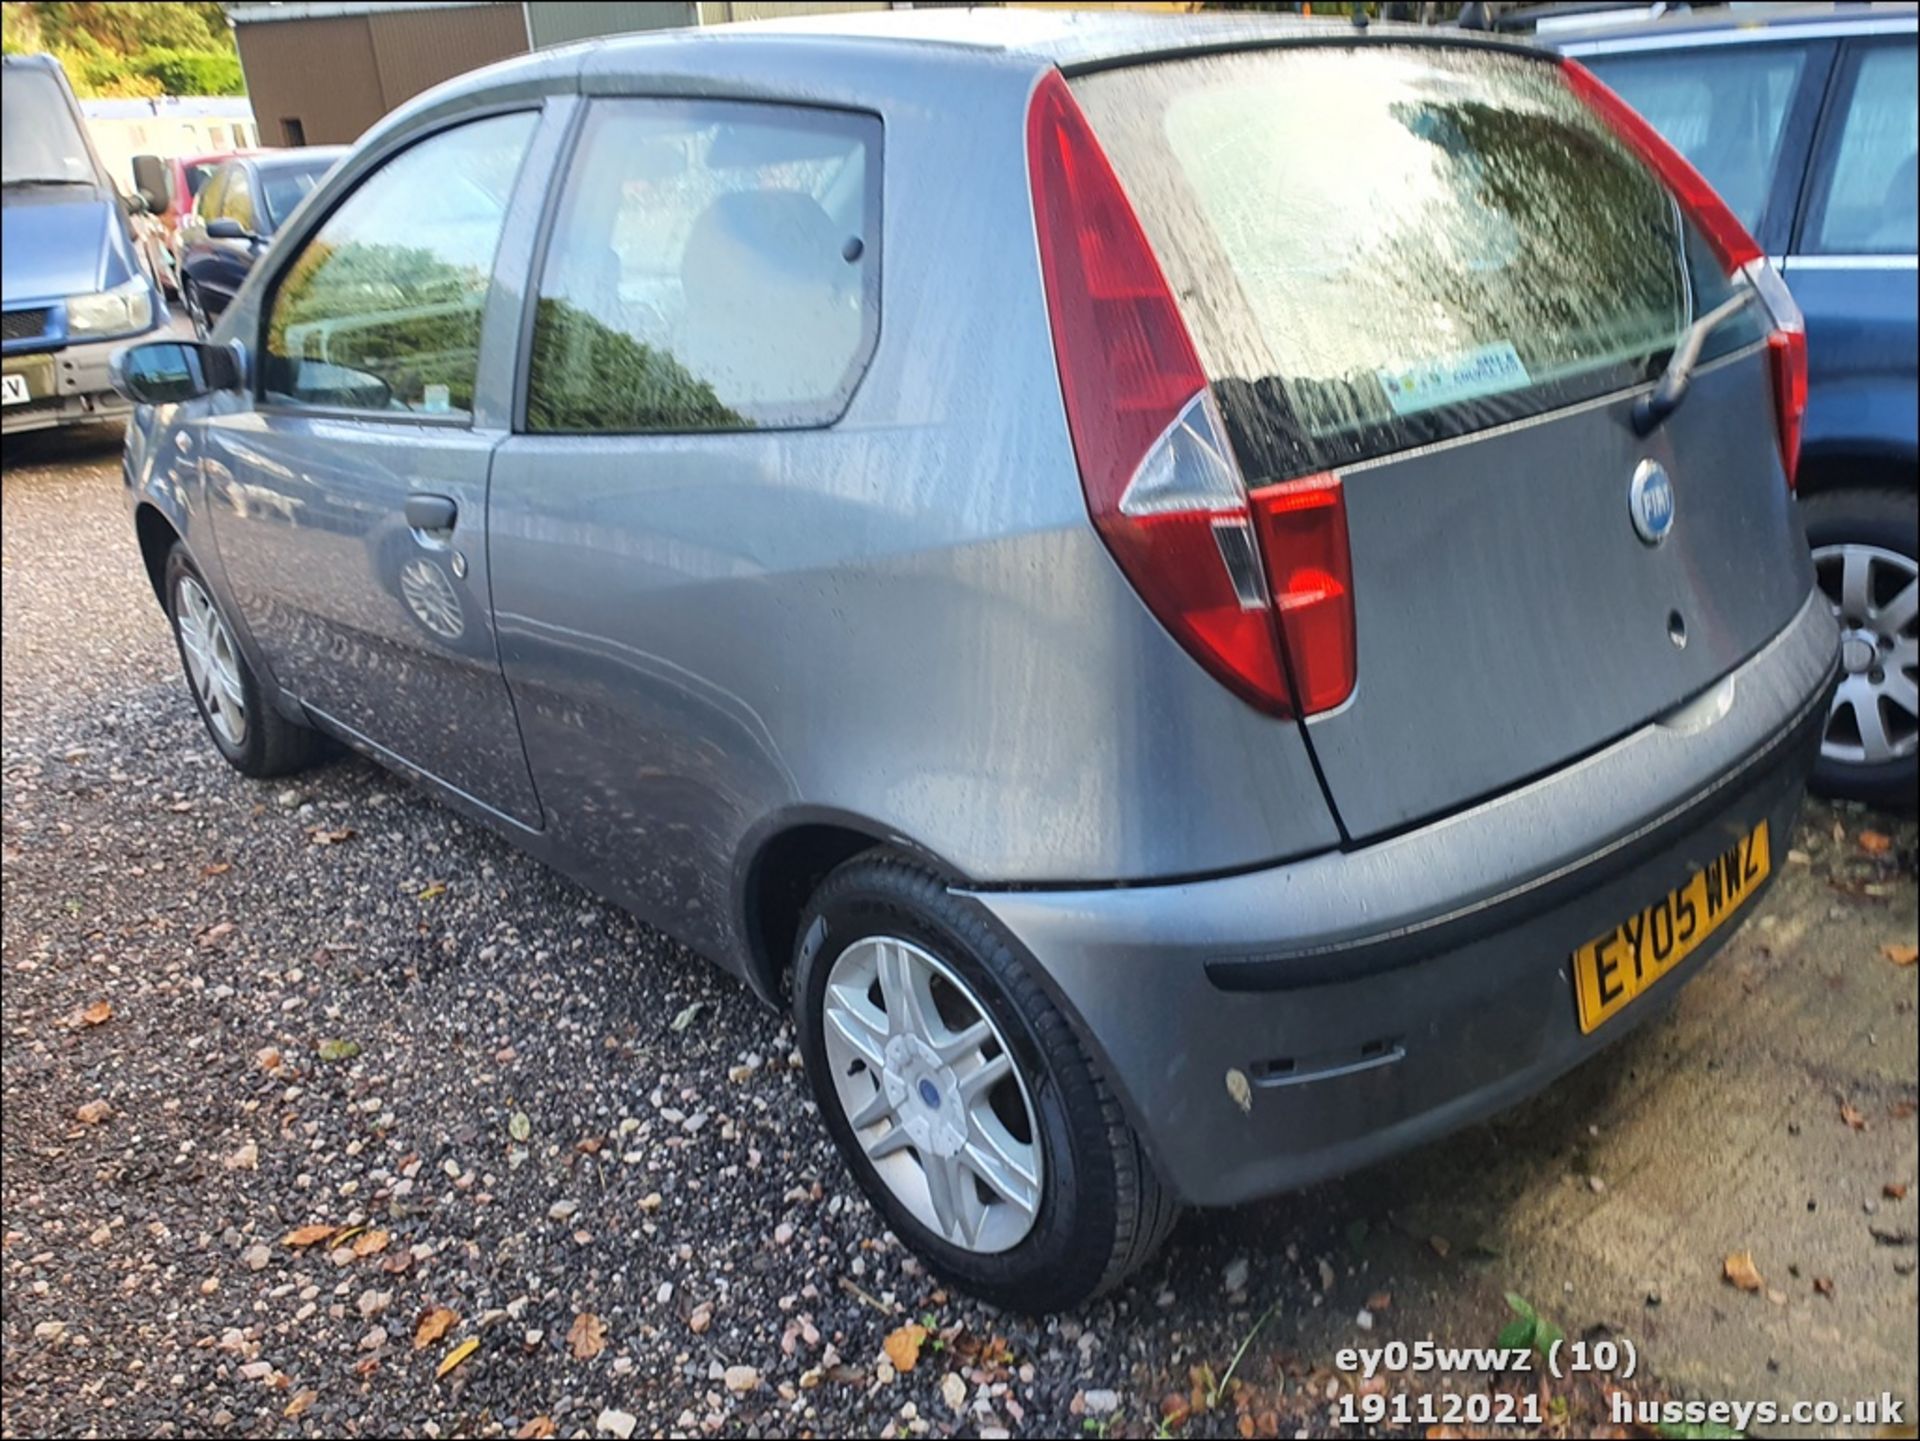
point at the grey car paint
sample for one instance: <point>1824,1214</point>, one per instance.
<point>905,624</point>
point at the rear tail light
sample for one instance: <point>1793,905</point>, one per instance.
<point>1161,482</point>
<point>1787,348</point>
<point>1303,533</point>
<point>1738,251</point>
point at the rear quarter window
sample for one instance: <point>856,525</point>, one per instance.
<point>1380,246</point>
<point>714,266</point>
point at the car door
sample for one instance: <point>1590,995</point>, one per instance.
<point>1852,263</point>
<point>705,307</point>
<point>228,259</point>
<point>349,496</point>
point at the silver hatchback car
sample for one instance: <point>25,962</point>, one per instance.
<point>1205,599</point>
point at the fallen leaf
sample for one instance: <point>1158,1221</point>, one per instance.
<point>268,1057</point>
<point>1894,1190</point>
<point>97,1014</point>
<point>1874,843</point>
<point>1900,1110</point>
<point>1441,1245</point>
<point>685,1017</point>
<point>536,1428</point>
<point>903,1346</point>
<point>1823,1284</point>
<point>1380,1301</point>
<point>1852,1117</point>
<point>1900,954</point>
<point>371,1244</point>
<point>310,1235</point>
<point>338,1050</point>
<point>454,1357</point>
<point>587,1337</point>
<point>323,836</point>
<point>298,1405</point>
<point>220,868</point>
<point>397,1262</point>
<point>518,1126</point>
<point>93,1113</point>
<point>434,891</point>
<point>1740,1270</point>
<point>433,1326</point>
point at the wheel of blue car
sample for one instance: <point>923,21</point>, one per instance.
<point>1863,557</point>
<point>251,734</point>
<point>961,1097</point>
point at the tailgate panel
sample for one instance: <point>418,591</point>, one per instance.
<point>1509,617</point>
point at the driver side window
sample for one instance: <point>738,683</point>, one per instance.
<point>381,308</point>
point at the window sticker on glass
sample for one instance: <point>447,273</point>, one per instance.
<point>1484,370</point>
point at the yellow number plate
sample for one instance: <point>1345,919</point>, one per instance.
<point>1610,970</point>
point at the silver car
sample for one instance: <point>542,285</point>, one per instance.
<point>1204,599</point>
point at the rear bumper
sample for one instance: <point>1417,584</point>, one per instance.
<point>81,392</point>
<point>1382,996</point>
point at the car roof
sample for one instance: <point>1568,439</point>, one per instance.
<point>1071,39</point>
<point>1748,21</point>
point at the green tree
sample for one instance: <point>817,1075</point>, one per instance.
<point>113,47</point>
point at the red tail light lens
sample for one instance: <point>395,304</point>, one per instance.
<point>1721,226</point>
<point>1789,351</point>
<point>1303,531</point>
<point>1161,483</point>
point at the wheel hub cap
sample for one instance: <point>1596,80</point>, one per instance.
<point>925,1096</point>
<point>932,1094</point>
<point>213,661</point>
<point>1872,591</point>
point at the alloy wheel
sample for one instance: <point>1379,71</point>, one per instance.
<point>932,1093</point>
<point>213,661</point>
<point>1876,710</point>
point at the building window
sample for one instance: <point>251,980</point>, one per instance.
<point>292,132</point>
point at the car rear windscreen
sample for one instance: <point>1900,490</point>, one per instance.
<point>1379,246</point>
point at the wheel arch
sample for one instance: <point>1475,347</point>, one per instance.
<point>783,862</point>
<point>158,535</point>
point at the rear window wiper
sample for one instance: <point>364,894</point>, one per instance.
<point>1665,397</point>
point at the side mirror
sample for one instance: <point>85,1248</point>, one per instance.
<point>150,183</point>
<point>226,227</point>
<point>166,372</point>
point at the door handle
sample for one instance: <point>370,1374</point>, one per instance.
<point>433,514</point>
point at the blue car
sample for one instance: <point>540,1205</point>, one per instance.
<point>73,289</point>
<point>1803,118</point>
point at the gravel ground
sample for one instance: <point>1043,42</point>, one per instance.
<point>309,1085</point>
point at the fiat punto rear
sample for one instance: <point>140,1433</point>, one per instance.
<point>1203,601</point>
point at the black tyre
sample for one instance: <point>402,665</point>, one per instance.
<point>255,738</point>
<point>1864,555</point>
<point>943,1069</point>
